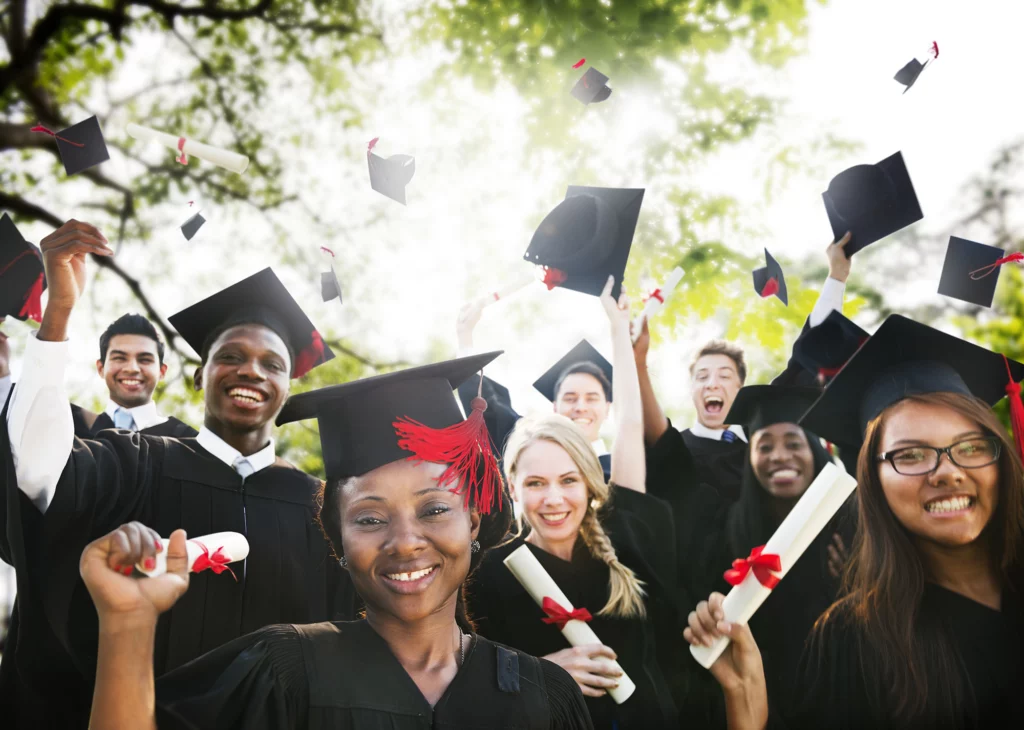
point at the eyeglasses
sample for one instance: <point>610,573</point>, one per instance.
<point>919,460</point>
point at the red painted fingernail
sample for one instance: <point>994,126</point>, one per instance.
<point>149,563</point>
<point>127,570</point>
<point>159,545</point>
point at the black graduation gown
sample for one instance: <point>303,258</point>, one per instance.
<point>500,417</point>
<point>684,455</point>
<point>640,528</point>
<point>343,676</point>
<point>166,484</point>
<point>840,678</point>
<point>89,424</point>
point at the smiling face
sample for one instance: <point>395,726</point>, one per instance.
<point>552,495</point>
<point>131,370</point>
<point>782,460</point>
<point>713,388</point>
<point>406,539</point>
<point>952,505</point>
<point>581,399</point>
<point>246,378</point>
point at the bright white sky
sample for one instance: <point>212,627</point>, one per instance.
<point>477,196</point>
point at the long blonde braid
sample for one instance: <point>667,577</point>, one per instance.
<point>625,590</point>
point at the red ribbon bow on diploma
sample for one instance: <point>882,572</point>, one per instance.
<point>761,563</point>
<point>183,159</point>
<point>218,562</point>
<point>559,616</point>
<point>656,294</point>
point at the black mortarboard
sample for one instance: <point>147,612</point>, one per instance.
<point>583,352</point>
<point>592,87</point>
<point>872,202</point>
<point>262,299</point>
<point>21,274</point>
<point>909,73</point>
<point>191,227</point>
<point>765,276</point>
<point>825,349</point>
<point>970,272</point>
<point>905,358</point>
<point>587,237</point>
<point>390,175</point>
<point>81,146</point>
<point>757,406</point>
<point>330,288</point>
<point>357,419</point>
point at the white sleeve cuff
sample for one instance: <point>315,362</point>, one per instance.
<point>830,298</point>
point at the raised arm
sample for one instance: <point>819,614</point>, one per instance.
<point>39,418</point>
<point>628,457</point>
<point>832,291</point>
<point>655,422</point>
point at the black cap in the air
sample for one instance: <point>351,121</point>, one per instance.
<point>901,359</point>
<point>258,299</point>
<point>191,227</point>
<point>584,352</point>
<point>357,419</point>
<point>758,406</point>
<point>21,269</point>
<point>970,272</point>
<point>872,202</point>
<point>592,87</point>
<point>909,73</point>
<point>330,288</point>
<point>390,175</point>
<point>82,146</point>
<point>588,237</point>
<point>770,280</point>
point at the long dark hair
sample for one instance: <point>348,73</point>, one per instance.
<point>494,526</point>
<point>919,677</point>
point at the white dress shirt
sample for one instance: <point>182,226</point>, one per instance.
<point>229,454</point>
<point>715,434</point>
<point>5,388</point>
<point>829,298</point>
<point>599,447</point>
<point>145,416</point>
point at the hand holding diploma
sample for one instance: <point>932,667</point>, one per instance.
<point>185,147</point>
<point>210,552</point>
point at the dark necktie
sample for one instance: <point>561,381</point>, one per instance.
<point>728,436</point>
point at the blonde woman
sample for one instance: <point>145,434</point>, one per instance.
<point>609,547</point>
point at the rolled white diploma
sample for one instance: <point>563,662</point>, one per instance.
<point>528,571</point>
<point>507,290</point>
<point>803,523</point>
<point>232,546</point>
<point>214,155</point>
<point>653,305</point>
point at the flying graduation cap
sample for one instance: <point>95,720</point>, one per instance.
<point>971,271</point>
<point>330,288</point>
<point>584,352</point>
<point>770,280</point>
<point>22,280</point>
<point>587,238</point>
<point>258,299</point>
<point>191,227</point>
<point>81,146</point>
<point>410,414</point>
<point>872,202</point>
<point>390,175</point>
<point>592,87</point>
<point>908,74</point>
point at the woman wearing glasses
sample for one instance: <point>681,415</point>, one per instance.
<point>930,630</point>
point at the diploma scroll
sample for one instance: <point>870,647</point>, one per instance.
<point>656,302</point>
<point>507,290</point>
<point>214,155</point>
<point>528,571</point>
<point>210,552</point>
<point>805,521</point>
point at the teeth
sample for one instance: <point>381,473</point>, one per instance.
<point>247,395</point>
<point>950,504</point>
<point>785,473</point>
<point>555,517</point>
<point>582,421</point>
<point>406,577</point>
<point>131,381</point>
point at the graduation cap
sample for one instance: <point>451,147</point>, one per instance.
<point>21,274</point>
<point>770,280</point>
<point>825,349</point>
<point>584,352</point>
<point>758,406</point>
<point>191,227</point>
<point>909,73</point>
<point>261,299</point>
<point>411,413</point>
<point>81,146</point>
<point>329,286</point>
<point>587,238</point>
<point>390,175</point>
<point>872,202</point>
<point>967,271</point>
<point>905,358</point>
<point>592,87</point>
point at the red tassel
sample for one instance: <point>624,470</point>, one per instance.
<point>33,308</point>
<point>978,273</point>
<point>579,63</point>
<point>553,277</point>
<point>1016,410</point>
<point>465,448</point>
<point>65,140</point>
<point>310,357</point>
<point>772,287</point>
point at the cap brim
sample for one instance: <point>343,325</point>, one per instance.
<point>583,352</point>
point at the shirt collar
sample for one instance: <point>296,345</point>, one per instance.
<point>715,434</point>
<point>146,415</point>
<point>5,388</point>
<point>229,454</point>
<point>599,447</point>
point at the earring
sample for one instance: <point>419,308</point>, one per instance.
<point>343,561</point>
<point>474,547</point>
